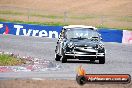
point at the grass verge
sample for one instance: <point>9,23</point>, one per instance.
<point>8,60</point>
<point>60,24</point>
<point>119,22</point>
<point>38,23</point>
<point>120,28</point>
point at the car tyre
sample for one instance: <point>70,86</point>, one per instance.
<point>57,57</point>
<point>64,59</point>
<point>101,60</point>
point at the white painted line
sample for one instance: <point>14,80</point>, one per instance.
<point>37,79</point>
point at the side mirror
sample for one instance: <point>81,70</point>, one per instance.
<point>101,38</point>
<point>99,34</point>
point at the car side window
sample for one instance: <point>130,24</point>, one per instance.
<point>62,34</point>
<point>59,35</point>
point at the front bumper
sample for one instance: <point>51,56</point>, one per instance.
<point>84,52</point>
<point>85,55</point>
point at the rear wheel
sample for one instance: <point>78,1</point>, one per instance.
<point>57,57</point>
<point>101,60</point>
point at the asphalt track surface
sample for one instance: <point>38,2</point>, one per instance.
<point>118,58</point>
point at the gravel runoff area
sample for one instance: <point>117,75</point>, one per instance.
<point>118,61</point>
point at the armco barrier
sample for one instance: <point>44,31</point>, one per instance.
<point>108,35</point>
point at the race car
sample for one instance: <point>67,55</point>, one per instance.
<point>80,42</point>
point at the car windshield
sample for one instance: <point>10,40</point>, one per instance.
<point>81,33</point>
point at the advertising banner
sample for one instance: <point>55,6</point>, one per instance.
<point>30,30</point>
<point>111,35</point>
<point>108,35</point>
<point>127,36</point>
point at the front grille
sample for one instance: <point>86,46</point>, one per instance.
<point>84,52</point>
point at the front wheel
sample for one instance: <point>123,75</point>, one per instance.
<point>57,57</point>
<point>101,60</point>
<point>64,59</point>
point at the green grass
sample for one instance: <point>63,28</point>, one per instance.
<point>68,16</point>
<point>38,23</point>
<point>120,28</point>
<point>7,60</point>
<point>126,19</point>
<point>11,13</point>
<point>60,24</point>
<point>47,16</point>
<point>83,17</point>
<point>30,14</point>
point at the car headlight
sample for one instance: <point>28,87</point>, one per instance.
<point>101,46</point>
<point>70,45</point>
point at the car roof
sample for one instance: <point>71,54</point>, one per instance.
<point>79,26</point>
